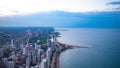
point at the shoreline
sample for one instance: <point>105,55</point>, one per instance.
<point>59,48</point>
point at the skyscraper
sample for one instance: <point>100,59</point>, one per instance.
<point>12,47</point>
<point>12,43</point>
<point>44,63</point>
<point>35,45</point>
<point>49,53</point>
<point>39,55</point>
<point>24,50</point>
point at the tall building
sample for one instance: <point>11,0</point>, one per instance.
<point>12,47</point>
<point>11,64</point>
<point>44,63</point>
<point>49,53</point>
<point>24,50</point>
<point>1,52</point>
<point>12,43</point>
<point>39,55</point>
<point>35,45</point>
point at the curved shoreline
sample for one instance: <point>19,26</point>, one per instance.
<point>60,47</point>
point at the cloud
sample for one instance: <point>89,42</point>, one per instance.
<point>65,19</point>
<point>8,12</point>
<point>33,6</point>
<point>113,3</point>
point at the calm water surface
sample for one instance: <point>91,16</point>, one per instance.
<point>105,52</point>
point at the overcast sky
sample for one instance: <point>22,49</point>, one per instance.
<point>20,7</point>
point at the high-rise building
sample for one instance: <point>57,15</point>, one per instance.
<point>35,45</point>
<point>24,50</point>
<point>1,52</point>
<point>11,64</point>
<point>12,47</point>
<point>39,55</point>
<point>44,63</point>
<point>12,43</point>
<point>49,53</point>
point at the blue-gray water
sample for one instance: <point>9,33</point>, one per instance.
<point>105,52</point>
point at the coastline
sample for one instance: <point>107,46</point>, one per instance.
<point>59,48</point>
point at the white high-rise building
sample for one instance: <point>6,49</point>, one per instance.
<point>12,43</point>
<point>35,45</point>
<point>11,64</point>
<point>49,53</point>
<point>44,63</point>
<point>24,50</point>
<point>12,47</point>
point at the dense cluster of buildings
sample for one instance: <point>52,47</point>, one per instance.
<point>32,56</point>
<point>26,56</point>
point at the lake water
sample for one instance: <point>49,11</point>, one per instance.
<point>105,51</point>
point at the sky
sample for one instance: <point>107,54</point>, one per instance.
<point>60,13</point>
<point>20,7</point>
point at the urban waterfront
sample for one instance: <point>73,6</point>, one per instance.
<point>105,51</point>
<point>31,47</point>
